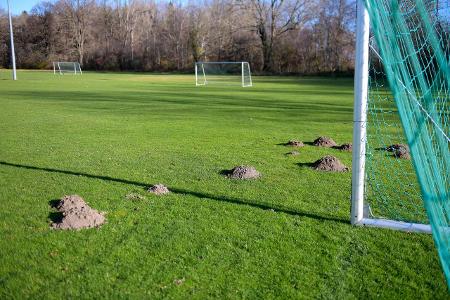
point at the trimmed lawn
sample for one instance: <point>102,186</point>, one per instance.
<point>105,135</point>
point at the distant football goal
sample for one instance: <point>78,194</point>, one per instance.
<point>223,73</point>
<point>62,68</point>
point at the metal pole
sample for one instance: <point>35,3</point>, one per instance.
<point>13,55</point>
<point>196,76</point>
<point>249,74</point>
<point>360,112</point>
<point>242,75</point>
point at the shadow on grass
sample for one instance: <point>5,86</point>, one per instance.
<point>55,216</point>
<point>183,191</point>
<point>309,143</point>
<point>305,165</point>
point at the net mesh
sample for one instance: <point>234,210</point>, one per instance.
<point>409,104</point>
<point>224,73</point>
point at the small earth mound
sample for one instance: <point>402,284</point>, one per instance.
<point>244,172</point>
<point>402,153</point>
<point>77,214</point>
<point>395,147</point>
<point>329,163</point>
<point>159,189</point>
<point>324,141</point>
<point>293,153</point>
<point>345,147</point>
<point>295,143</point>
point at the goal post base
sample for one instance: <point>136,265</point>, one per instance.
<point>395,225</point>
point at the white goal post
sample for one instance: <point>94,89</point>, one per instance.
<point>62,68</point>
<point>223,73</point>
<point>361,213</point>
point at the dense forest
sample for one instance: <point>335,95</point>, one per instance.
<point>275,36</point>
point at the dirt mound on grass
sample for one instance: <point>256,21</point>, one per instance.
<point>243,172</point>
<point>345,147</point>
<point>402,153</point>
<point>324,141</point>
<point>399,151</point>
<point>77,214</point>
<point>295,143</point>
<point>159,189</point>
<point>329,163</point>
<point>395,147</point>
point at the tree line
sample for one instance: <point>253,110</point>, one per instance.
<point>275,36</point>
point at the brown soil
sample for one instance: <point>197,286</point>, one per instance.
<point>345,147</point>
<point>244,172</point>
<point>402,153</point>
<point>294,153</point>
<point>159,189</point>
<point>77,214</point>
<point>324,141</point>
<point>395,147</point>
<point>330,163</point>
<point>295,143</point>
<point>399,151</point>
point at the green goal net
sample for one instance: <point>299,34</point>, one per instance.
<point>408,125</point>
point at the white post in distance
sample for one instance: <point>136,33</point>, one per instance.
<point>360,112</point>
<point>242,75</point>
<point>196,74</point>
<point>13,54</point>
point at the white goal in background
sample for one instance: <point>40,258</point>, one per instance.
<point>67,68</point>
<point>223,73</point>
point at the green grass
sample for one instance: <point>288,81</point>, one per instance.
<point>105,135</point>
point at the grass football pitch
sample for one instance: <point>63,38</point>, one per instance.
<point>105,135</point>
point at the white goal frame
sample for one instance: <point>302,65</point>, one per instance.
<point>201,76</point>
<point>360,211</point>
<point>76,68</point>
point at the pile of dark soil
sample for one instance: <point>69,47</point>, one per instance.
<point>293,153</point>
<point>399,150</point>
<point>243,172</point>
<point>394,147</point>
<point>295,143</point>
<point>329,163</point>
<point>345,147</point>
<point>402,153</point>
<point>324,141</point>
<point>76,214</point>
<point>159,189</point>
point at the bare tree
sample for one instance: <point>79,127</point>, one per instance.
<point>282,36</point>
<point>273,18</point>
<point>74,16</point>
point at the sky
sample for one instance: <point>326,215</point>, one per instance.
<point>17,6</point>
